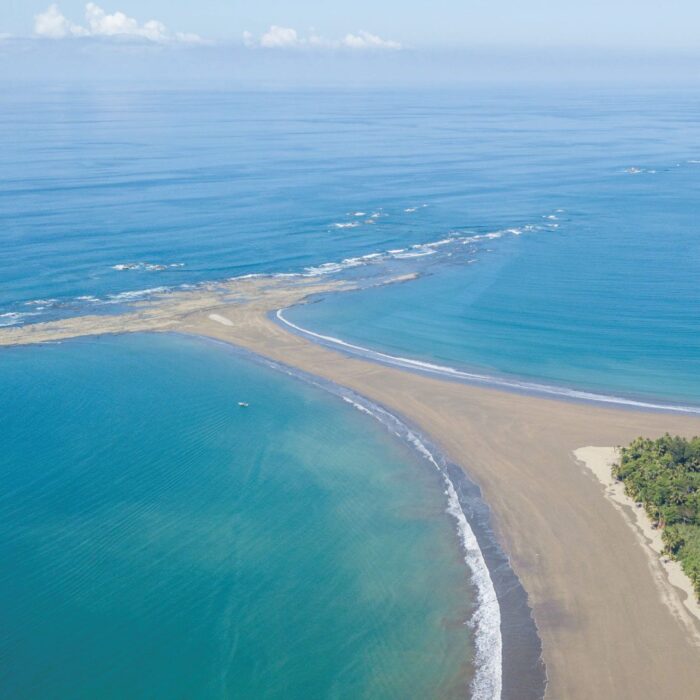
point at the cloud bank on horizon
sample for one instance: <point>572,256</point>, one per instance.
<point>98,23</point>
<point>53,24</point>
<point>108,39</point>
<point>287,38</point>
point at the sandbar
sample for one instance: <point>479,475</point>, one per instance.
<point>606,629</point>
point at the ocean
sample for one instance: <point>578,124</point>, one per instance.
<point>553,235</point>
<point>107,195</point>
<point>160,541</point>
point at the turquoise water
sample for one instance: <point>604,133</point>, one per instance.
<point>188,186</point>
<point>605,303</point>
<point>158,541</point>
<point>244,553</point>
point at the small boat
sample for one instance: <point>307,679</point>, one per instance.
<point>243,404</point>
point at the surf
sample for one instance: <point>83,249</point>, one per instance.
<point>448,372</point>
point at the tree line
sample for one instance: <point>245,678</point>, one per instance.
<point>664,476</point>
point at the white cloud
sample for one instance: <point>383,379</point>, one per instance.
<point>102,24</point>
<point>191,38</point>
<point>287,38</point>
<point>54,25</point>
<point>279,38</point>
<point>365,40</point>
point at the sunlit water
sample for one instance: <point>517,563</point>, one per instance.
<point>159,541</point>
<point>597,291</point>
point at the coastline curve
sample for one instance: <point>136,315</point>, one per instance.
<point>508,661</point>
<point>447,372</point>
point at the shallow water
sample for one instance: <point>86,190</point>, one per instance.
<point>160,541</point>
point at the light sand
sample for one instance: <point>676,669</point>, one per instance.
<point>675,587</point>
<point>245,295</point>
<point>606,631</point>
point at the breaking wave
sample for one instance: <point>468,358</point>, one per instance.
<point>486,619</point>
<point>448,372</point>
<point>457,247</point>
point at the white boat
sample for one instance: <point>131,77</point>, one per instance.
<point>243,404</point>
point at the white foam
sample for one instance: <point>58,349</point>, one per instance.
<point>249,276</point>
<point>440,243</point>
<point>417,250</point>
<point>473,377</point>
<point>414,253</point>
<point>349,224</point>
<point>14,318</point>
<point>136,294</point>
<point>486,619</point>
<point>41,302</point>
<point>148,267</point>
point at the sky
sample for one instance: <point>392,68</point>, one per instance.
<point>439,23</point>
<point>240,38</point>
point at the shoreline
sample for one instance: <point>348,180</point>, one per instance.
<point>521,667</point>
<point>605,631</point>
<point>449,373</point>
<point>215,292</point>
<point>675,587</point>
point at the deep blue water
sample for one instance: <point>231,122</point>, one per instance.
<point>223,184</point>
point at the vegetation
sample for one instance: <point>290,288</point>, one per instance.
<point>664,476</point>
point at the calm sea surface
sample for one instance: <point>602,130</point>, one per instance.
<point>160,542</point>
<point>600,290</point>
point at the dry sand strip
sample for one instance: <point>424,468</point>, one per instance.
<point>606,630</point>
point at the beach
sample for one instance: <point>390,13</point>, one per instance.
<point>604,619</point>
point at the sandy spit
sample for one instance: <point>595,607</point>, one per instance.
<point>606,630</point>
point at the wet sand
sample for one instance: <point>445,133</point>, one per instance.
<point>606,628</point>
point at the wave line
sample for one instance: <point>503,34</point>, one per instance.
<point>474,378</point>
